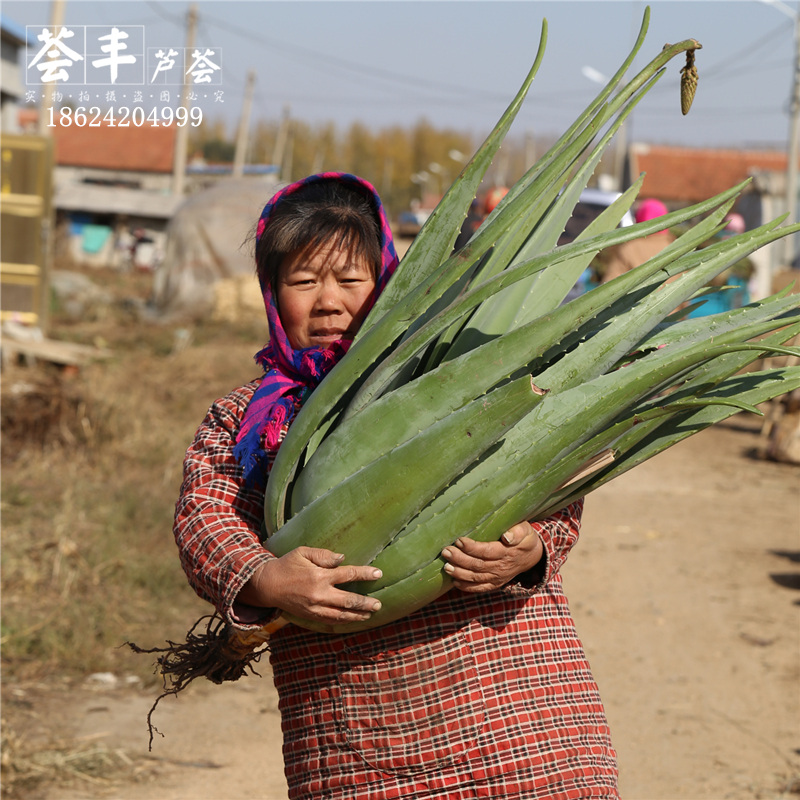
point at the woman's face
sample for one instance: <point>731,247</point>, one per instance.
<point>323,295</point>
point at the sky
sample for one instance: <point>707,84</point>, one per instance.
<point>458,63</point>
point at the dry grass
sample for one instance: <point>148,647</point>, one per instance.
<point>91,470</point>
<point>28,767</point>
<point>91,466</point>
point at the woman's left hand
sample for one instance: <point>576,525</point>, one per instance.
<point>485,566</point>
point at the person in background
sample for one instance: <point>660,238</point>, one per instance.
<point>478,213</point>
<point>733,282</point>
<point>617,260</point>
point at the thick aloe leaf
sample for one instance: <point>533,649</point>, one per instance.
<point>530,428</point>
<point>584,307</point>
<point>754,388</point>
<point>535,303</point>
<point>702,380</point>
<point>606,346</point>
<point>532,455</point>
<point>545,290</point>
<point>688,330</point>
<point>429,582</point>
<point>329,521</point>
<point>396,419</point>
<point>401,414</point>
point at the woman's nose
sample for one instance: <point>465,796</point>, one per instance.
<point>329,297</point>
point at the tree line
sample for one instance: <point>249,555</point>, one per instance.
<point>409,166</point>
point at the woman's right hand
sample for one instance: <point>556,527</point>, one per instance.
<point>305,582</point>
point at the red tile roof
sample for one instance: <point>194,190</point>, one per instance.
<point>687,175</point>
<point>144,148</point>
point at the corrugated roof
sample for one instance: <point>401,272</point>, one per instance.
<point>144,148</point>
<point>688,175</point>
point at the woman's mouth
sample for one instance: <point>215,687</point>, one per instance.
<point>330,335</point>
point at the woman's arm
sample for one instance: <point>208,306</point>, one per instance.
<point>217,525</point>
<point>217,519</point>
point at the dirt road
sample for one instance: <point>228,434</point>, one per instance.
<point>685,589</point>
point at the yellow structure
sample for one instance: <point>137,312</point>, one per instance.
<point>26,227</point>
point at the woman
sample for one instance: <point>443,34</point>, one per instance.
<point>484,693</point>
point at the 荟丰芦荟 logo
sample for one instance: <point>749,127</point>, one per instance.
<point>75,61</point>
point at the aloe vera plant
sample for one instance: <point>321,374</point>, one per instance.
<point>474,396</point>
<point>618,374</point>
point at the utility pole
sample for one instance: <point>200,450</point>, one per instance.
<point>244,126</point>
<point>56,22</point>
<point>182,133</point>
<point>794,134</point>
<point>280,142</point>
<point>286,166</point>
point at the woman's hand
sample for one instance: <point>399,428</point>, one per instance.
<point>484,566</point>
<point>304,583</point>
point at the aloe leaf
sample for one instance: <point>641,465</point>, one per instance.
<point>547,201</point>
<point>535,304</point>
<point>584,307</point>
<point>592,118</point>
<point>437,235</point>
<point>329,520</point>
<point>688,330</point>
<point>753,388</point>
<point>548,289</point>
<point>618,337</point>
<point>530,462</point>
<point>706,378</point>
<point>396,419</point>
<point>401,414</point>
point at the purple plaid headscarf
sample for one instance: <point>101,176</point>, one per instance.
<point>289,375</point>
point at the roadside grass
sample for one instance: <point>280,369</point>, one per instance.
<point>91,471</point>
<point>65,763</point>
<point>91,467</point>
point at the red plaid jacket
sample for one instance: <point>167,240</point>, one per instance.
<point>474,696</point>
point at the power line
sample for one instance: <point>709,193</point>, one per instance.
<point>747,52</point>
<point>178,21</point>
<point>370,72</point>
